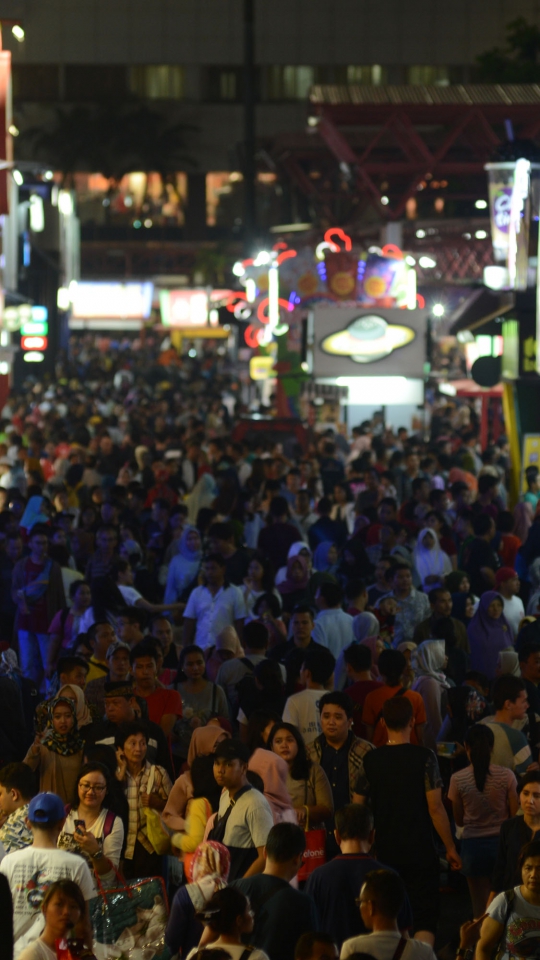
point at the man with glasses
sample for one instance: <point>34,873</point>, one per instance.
<point>381,898</point>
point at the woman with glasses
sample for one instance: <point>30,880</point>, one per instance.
<point>92,829</point>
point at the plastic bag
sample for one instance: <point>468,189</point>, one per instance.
<point>129,921</point>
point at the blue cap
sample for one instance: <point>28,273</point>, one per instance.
<point>46,808</point>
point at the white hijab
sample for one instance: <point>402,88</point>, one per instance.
<point>429,563</point>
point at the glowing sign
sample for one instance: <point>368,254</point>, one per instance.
<point>260,368</point>
<point>110,301</point>
<point>183,308</point>
<point>340,234</point>
<point>367,339</point>
<point>33,343</point>
<point>33,356</point>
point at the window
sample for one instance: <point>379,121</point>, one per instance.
<point>157,81</point>
<point>225,84</point>
<point>35,81</point>
<point>85,82</point>
<point>371,74</point>
<point>427,76</point>
<point>289,83</point>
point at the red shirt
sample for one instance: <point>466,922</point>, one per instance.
<point>162,701</point>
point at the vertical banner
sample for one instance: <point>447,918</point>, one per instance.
<point>6,151</point>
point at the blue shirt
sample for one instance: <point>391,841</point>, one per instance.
<point>334,630</point>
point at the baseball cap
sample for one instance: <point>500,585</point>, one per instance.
<point>232,749</point>
<point>46,808</point>
<point>116,645</point>
<point>505,573</point>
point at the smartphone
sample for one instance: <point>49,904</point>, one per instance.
<point>80,825</point>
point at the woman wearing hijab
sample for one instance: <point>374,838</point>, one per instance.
<point>185,566</point>
<point>58,753</point>
<point>488,634</point>
<point>210,873</point>
<point>300,548</point>
<point>366,631</point>
<point>202,496</point>
<point>428,662</point>
<point>273,771</point>
<point>227,647</point>
<point>82,711</point>
<point>354,563</point>
<point>294,589</point>
<point>432,563</point>
<point>204,741</point>
<point>325,558</point>
<point>34,513</point>
<point>508,663</point>
<point>523,518</point>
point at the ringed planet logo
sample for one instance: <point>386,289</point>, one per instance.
<point>367,339</point>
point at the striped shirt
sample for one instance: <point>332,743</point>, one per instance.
<point>511,747</point>
<point>134,787</point>
<point>483,813</point>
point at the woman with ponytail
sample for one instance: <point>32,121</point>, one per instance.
<point>483,796</point>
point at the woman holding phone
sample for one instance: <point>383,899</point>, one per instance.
<point>92,829</point>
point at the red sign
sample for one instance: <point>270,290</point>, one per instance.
<point>34,343</point>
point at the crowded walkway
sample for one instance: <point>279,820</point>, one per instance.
<point>260,700</point>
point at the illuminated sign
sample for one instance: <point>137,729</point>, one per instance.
<point>368,338</point>
<point>260,368</point>
<point>183,308</point>
<point>390,341</point>
<point>105,306</point>
<point>34,330</point>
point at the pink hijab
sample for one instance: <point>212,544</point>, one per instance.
<point>273,771</point>
<point>203,743</point>
<point>204,740</point>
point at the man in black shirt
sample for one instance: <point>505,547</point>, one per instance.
<point>479,558</point>
<point>403,784</point>
<point>282,914</point>
<point>221,540</point>
<point>336,885</point>
<point>291,653</point>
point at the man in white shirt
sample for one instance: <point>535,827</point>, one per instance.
<point>508,585</point>
<point>302,709</point>
<point>31,871</point>
<point>333,627</point>
<point>214,606</point>
<point>382,896</point>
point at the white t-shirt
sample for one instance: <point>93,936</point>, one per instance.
<point>29,873</point>
<point>214,612</point>
<point>234,951</point>
<point>514,613</point>
<point>382,946</point>
<point>112,844</point>
<point>130,595</point>
<point>38,951</point>
<point>302,709</point>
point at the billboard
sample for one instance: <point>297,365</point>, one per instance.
<point>110,306</point>
<point>353,342</point>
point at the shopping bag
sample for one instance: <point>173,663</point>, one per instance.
<point>129,920</point>
<point>155,831</point>
<point>315,852</point>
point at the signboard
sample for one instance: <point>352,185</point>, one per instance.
<point>106,306</point>
<point>183,308</point>
<point>349,342</point>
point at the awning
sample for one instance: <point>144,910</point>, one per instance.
<point>481,307</point>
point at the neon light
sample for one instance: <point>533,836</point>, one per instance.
<point>33,343</point>
<point>251,336</point>
<point>232,301</point>
<point>273,295</point>
<point>321,247</point>
<point>391,250</point>
<point>33,356</point>
<point>338,232</point>
<point>41,329</point>
<point>286,255</point>
<point>420,301</point>
<point>262,316</point>
<point>281,245</point>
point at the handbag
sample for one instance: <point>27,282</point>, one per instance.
<point>155,831</point>
<point>129,919</point>
<point>315,852</point>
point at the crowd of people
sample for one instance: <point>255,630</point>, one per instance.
<point>298,684</point>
